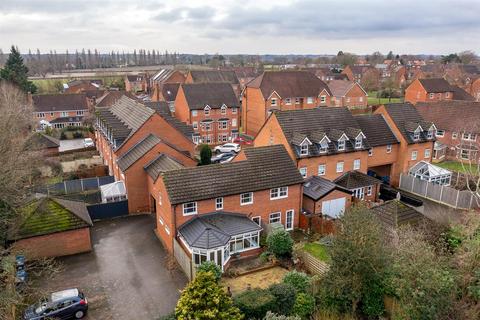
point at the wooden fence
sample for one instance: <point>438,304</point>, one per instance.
<point>312,264</point>
<point>184,260</point>
<point>459,199</point>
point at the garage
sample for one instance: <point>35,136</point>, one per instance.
<point>334,208</point>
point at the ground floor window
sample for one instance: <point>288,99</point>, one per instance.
<point>275,217</point>
<point>222,138</point>
<point>464,154</point>
<point>244,242</point>
<point>359,193</point>
<point>289,216</point>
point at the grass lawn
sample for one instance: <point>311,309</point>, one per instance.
<point>373,100</point>
<point>317,250</point>
<point>453,166</point>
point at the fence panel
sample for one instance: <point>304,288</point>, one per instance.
<point>434,191</point>
<point>419,186</point>
<point>90,184</point>
<point>312,264</point>
<point>449,196</point>
<point>183,260</point>
<point>73,186</point>
<point>77,185</point>
<point>106,180</point>
<point>108,210</point>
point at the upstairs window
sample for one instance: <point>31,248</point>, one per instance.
<point>323,99</point>
<point>309,100</point>
<point>194,113</point>
<point>370,152</point>
<point>389,148</point>
<point>430,134</point>
<point>356,164</point>
<point>189,208</point>
<point>219,203</point>
<point>323,146</point>
<point>304,149</point>
<point>297,100</point>
<point>278,193</point>
<point>234,110</point>
<point>431,95</point>
<point>80,113</point>
<point>223,110</point>
<point>358,143</point>
<point>340,166</point>
<point>273,102</point>
<point>206,111</point>
<point>288,101</point>
<point>246,198</point>
<point>341,145</point>
<point>322,169</point>
<point>303,172</point>
<point>440,133</point>
<point>454,135</point>
<point>416,136</point>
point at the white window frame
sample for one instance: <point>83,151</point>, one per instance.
<point>273,102</point>
<point>195,125</point>
<point>462,154</point>
<point>196,139</point>
<point>222,125</point>
<point>292,222</point>
<point>440,133</point>
<point>389,148</point>
<point>234,122</point>
<point>310,100</point>
<point>370,152</point>
<point>369,190</point>
<point>223,110</point>
<point>340,166</point>
<point>278,193</point>
<point>357,164</point>
<point>278,215</point>
<point>304,149</point>
<point>427,153</point>
<point>431,95</point>
<point>297,100</point>
<point>243,196</point>
<point>323,99</point>
<point>80,113</point>
<point>258,218</point>
<point>359,193</point>
<point>288,101</point>
<point>358,142</point>
<point>41,115</point>
<point>414,155</point>
<point>454,135</point>
<point>219,203</point>
<point>206,110</point>
<point>416,136</point>
<point>234,110</point>
<point>194,207</point>
<point>430,134</point>
<point>64,114</point>
<point>322,169</point>
<point>194,113</point>
<point>303,172</point>
<point>341,145</point>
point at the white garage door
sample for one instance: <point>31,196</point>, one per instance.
<point>333,208</point>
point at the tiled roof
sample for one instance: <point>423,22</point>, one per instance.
<point>213,230</point>
<point>59,102</point>
<point>169,91</point>
<point>340,88</point>
<point>376,129</point>
<point>435,85</point>
<point>394,213</point>
<point>315,123</point>
<point>317,187</point>
<point>110,97</point>
<point>404,115</point>
<point>135,78</point>
<point>258,172</point>
<point>214,76</point>
<point>355,179</point>
<point>289,84</point>
<point>215,95</point>
<point>41,141</point>
<point>162,109</point>
<point>137,151</point>
<point>49,215</point>
<point>359,70</point>
<point>162,163</point>
<point>460,94</point>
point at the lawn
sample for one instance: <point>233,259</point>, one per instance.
<point>453,166</point>
<point>317,250</point>
<point>373,100</point>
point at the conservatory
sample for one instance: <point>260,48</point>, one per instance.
<point>113,192</point>
<point>431,173</point>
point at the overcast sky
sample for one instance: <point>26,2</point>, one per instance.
<point>243,26</point>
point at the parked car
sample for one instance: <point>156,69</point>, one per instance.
<point>227,147</point>
<point>228,159</point>
<point>88,142</point>
<point>222,156</point>
<point>243,141</point>
<point>66,304</point>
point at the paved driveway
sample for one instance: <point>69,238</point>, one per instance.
<point>125,277</point>
<point>73,144</point>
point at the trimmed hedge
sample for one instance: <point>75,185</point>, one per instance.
<point>280,243</point>
<point>285,295</point>
<point>255,303</point>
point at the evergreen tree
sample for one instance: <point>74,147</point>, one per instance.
<point>15,71</point>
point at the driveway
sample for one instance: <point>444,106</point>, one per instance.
<point>74,144</point>
<point>126,274</point>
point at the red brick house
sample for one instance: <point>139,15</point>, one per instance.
<point>434,89</point>
<point>136,83</point>
<point>79,86</point>
<point>474,88</point>
<point>458,129</point>
<point>358,72</point>
<point>212,109</point>
<point>280,90</point>
<point>210,76</point>
<point>363,187</point>
<point>347,94</point>
<point>166,92</point>
<point>415,134</point>
<point>51,227</point>
<point>216,212</point>
<point>60,110</point>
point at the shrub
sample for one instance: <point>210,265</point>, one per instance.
<point>285,295</point>
<point>274,316</point>
<point>298,280</point>
<point>304,305</point>
<point>170,316</point>
<point>280,243</point>
<point>205,155</point>
<point>77,135</point>
<point>255,303</point>
<point>265,256</point>
<point>203,298</point>
<point>210,266</point>
<point>63,136</point>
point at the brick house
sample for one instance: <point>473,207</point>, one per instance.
<point>326,74</point>
<point>347,94</point>
<point>358,72</point>
<point>60,110</point>
<point>109,98</point>
<point>434,89</point>
<point>322,202</point>
<point>210,76</point>
<point>166,76</point>
<point>474,88</point>
<point>79,86</point>
<point>363,187</point>
<point>136,83</point>
<point>216,212</point>
<point>52,227</point>
<point>458,129</point>
<point>212,109</point>
<point>166,92</point>
<point>415,134</point>
<point>127,122</point>
<point>280,90</point>
<point>324,141</point>
<point>384,146</point>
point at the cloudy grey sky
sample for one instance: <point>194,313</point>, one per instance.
<point>243,26</point>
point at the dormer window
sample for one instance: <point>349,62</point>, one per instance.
<point>323,146</point>
<point>223,110</point>
<point>358,142</point>
<point>207,110</point>
<point>304,149</point>
<point>416,135</point>
<point>273,102</point>
<point>430,134</point>
<point>341,145</point>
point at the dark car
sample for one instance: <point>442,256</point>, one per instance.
<point>223,157</point>
<point>66,304</point>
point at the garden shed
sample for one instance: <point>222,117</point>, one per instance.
<point>431,173</point>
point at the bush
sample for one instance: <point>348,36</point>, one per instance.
<point>209,266</point>
<point>274,316</point>
<point>298,280</point>
<point>170,316</point>
<point>255,303</point>
<point>77,135</point>
<point>63,136</point>
<point>205,155</point>
<point>285,295</point>
<point>280,243</point>
<point>304,305</point>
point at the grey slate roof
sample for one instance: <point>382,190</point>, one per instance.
<point>376,129</point>
<point>137,151</point>
<point>59,102</point>
<point>394,213</point>
<point>202,76</point>
<point>435,85</point>
<point>215,95</point>
<point>265,168</point>
<point>43,141</point>
<point>213,230</point>
<point>162,109</point>
<point>405,117</point>
<point>355,179</point>
<point>162,163</point>
<point>313,123</point>
<point>317,187</point>
<point>78,208</point>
